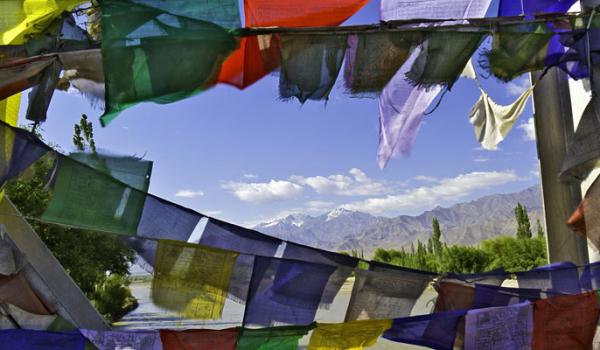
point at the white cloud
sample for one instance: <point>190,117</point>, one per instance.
<point>358,184</point>
<point>480,159</point>
<point>250,176</point>
<point>189,194</point>
<point>425,178</point>
<point>425,197</point>
<point>517,87</point>
<point>529,129</point>
<point>264,192</point>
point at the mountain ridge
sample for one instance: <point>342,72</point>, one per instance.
<point>462,223</point>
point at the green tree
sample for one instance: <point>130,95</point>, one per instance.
<point>464,259</point>
<point>515,254</point>
<point>523,225</point>
<point>83,135</point>
<point>436,237</point>
<point>539,229</point>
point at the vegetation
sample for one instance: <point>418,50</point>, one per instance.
<point>513,253</point>
<point>98,263</point>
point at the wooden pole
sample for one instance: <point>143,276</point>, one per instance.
<point>554,129</point>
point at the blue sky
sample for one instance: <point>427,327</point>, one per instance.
<point>245,156</point>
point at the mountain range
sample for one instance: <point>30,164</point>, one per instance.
<point>463,223</point>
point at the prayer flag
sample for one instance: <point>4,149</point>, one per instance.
<point>373,58</point>
<point>344,264</point>
<point>437,331</point>
<point>220,234</point>
<point>490,296</point>
<point>565,321</point>
<point>310,65</point>
<point>533,7</point>
<point>285,291</point>
<point>562,278</point>
<point>20,150</point>
<point>86,198</point>
<point>9,109</point>
<point>454,296</point>
<point>162,51</point>
<point>583,153</point>
<point>276,338</point>
<point>508,327</point>
<point>385,295</point>
<point>257,56</point>
<point>355,335</point>
<point>24,18</point>
<point>16,290</point>
<point>134,340</point>
<point>492,122</point>
<point>23,319</point>
<point>41,340</point>
<point>191,279</point>
<point>19,75</point>
<point>199,339</point>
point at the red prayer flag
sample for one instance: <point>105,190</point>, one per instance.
<point>199,339</point>
<point>565,322</point>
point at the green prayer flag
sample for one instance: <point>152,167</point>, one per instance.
<point>154,51</point>
<point>90,199</point>
<point>519,49</point>
<point>444,57</point>
<point>275,338</point>
<point>131,171</point>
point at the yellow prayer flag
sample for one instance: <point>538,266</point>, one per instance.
<point>9,109</point>
<point>21,18</point>
<point>191,279</point>
<point>9,113</point>
<point>355,335</point>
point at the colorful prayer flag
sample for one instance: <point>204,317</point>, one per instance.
<point>199,339</point>
<point>355,335</point>
<point>276,338</point>
<point>191,279</point>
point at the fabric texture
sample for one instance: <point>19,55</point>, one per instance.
<point>500,328</point>
<point>90,199</point>
<point>373,58</point>
<point>492,122</point>
<point>220,234</point>
<point>494,296</point>
<point>519,49</point>
<point>401,106</point>
<point>22,148</point>
<point>24,319</point>
<point>131,171</point>
<point>135,340</point>
<point>565,322</point>
<point>532,7</point>
<point>561,278</point>
<point>345,265</point>
<point>257,56</point>
<point>432,66</point>
<point>191,279</point>
<point>41,94</point>
<point>9,109</point>
<point>163,219</point>
<point>41,340</point>
<point>276,338</point>
<point>583,151</point>
<point>199,339</point>
<point>385,295</point>
<point>24,18</point>
<point>355,335</point>
<point>409,9</point>
<point>454,296</point>
<point>310,65</point>
<point>437,331</point>
<point>16,290</point>
<point>285,291</point>
<point>154,51</point>
<point>492,278</point>
<point>19,75</point>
